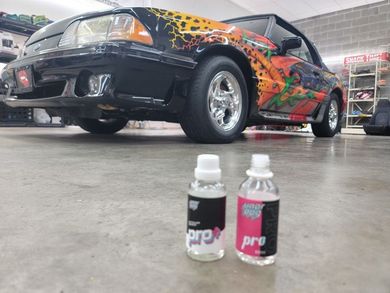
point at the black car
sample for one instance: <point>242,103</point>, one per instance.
<point>215,78</point>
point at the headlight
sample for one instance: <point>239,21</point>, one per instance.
<point>120,27</point>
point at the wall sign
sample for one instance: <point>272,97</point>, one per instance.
<point>384,56</point>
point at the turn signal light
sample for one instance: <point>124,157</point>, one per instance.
<point>125,27</point>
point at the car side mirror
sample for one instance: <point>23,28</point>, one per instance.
<point>290,43</point>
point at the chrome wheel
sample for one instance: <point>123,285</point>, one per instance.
<point>225,100</point>
<point>333,115</point>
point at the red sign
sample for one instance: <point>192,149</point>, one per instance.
<point>384,56</point>
<point>23,78</point>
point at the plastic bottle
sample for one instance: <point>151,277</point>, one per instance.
<point>257,215</point>
<point>205,238</point>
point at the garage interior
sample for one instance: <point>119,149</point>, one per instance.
<point>98,213</point>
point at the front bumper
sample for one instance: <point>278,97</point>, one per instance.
<point>133,70</point>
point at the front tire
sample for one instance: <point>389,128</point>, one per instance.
<point>102,126</point>
<point>217,105</point>
<point>330,125</point>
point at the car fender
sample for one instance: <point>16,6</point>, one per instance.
<point>193,36</point>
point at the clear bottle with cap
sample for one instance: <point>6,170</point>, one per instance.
<point>257,214</point>
<point>205,237</point>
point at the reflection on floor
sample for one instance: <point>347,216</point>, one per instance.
<point>83,213</point>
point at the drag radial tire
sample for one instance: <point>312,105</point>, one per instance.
<point>330,125</point>
<point>217,104</point>
<point>100,126</point>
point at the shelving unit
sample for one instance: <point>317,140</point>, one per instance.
<point>362,93</point>
<point>19,116</point>
<point>384,77</point>
<point>15,117</point>
<point>10,116</point>
<point>368,83</point>
<point>17,27</point>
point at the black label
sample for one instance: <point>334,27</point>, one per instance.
<point>269,228</point>
<point>206,213</point>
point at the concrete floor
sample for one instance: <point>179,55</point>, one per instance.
<point>107,214</point>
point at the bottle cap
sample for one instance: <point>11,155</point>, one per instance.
<point>260,167</point>
<point>208,168</point>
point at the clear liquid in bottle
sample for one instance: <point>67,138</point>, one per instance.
<point>257,215</point>
<point>205,238</point>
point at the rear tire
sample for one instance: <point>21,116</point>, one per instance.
<point>100,126</point>
<point>330,125</point>
<point>217,104</point>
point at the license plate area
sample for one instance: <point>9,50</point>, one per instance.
<point>24,79</point>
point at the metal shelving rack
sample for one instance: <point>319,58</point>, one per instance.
<point>18,27</point>
<point>384,77</point>
<point>373,79</point>
<point>10,116</point>
<point>359,111</point>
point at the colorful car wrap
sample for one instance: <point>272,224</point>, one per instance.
<point>279,83</point>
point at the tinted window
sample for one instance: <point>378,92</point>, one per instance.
<point>257,26</point>
<point>279,34</point>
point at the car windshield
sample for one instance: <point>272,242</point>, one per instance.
<point>258,26</point>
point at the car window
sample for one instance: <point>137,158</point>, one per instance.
<point>279,34</point>
<point>258,26</point>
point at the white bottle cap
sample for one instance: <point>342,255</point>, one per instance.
<point>208,168</point>
<point>260,167</point>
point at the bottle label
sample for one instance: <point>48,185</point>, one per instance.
<point>257,227</point>
<point>206,224</point>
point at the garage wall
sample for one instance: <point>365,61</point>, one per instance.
<point>348,32</point>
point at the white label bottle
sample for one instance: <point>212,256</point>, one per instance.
<point>205,237</point>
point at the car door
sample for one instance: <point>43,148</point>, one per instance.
<point>299,84</point>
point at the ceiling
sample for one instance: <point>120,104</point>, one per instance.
<point>218,9</point>
<point>299,9</point>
